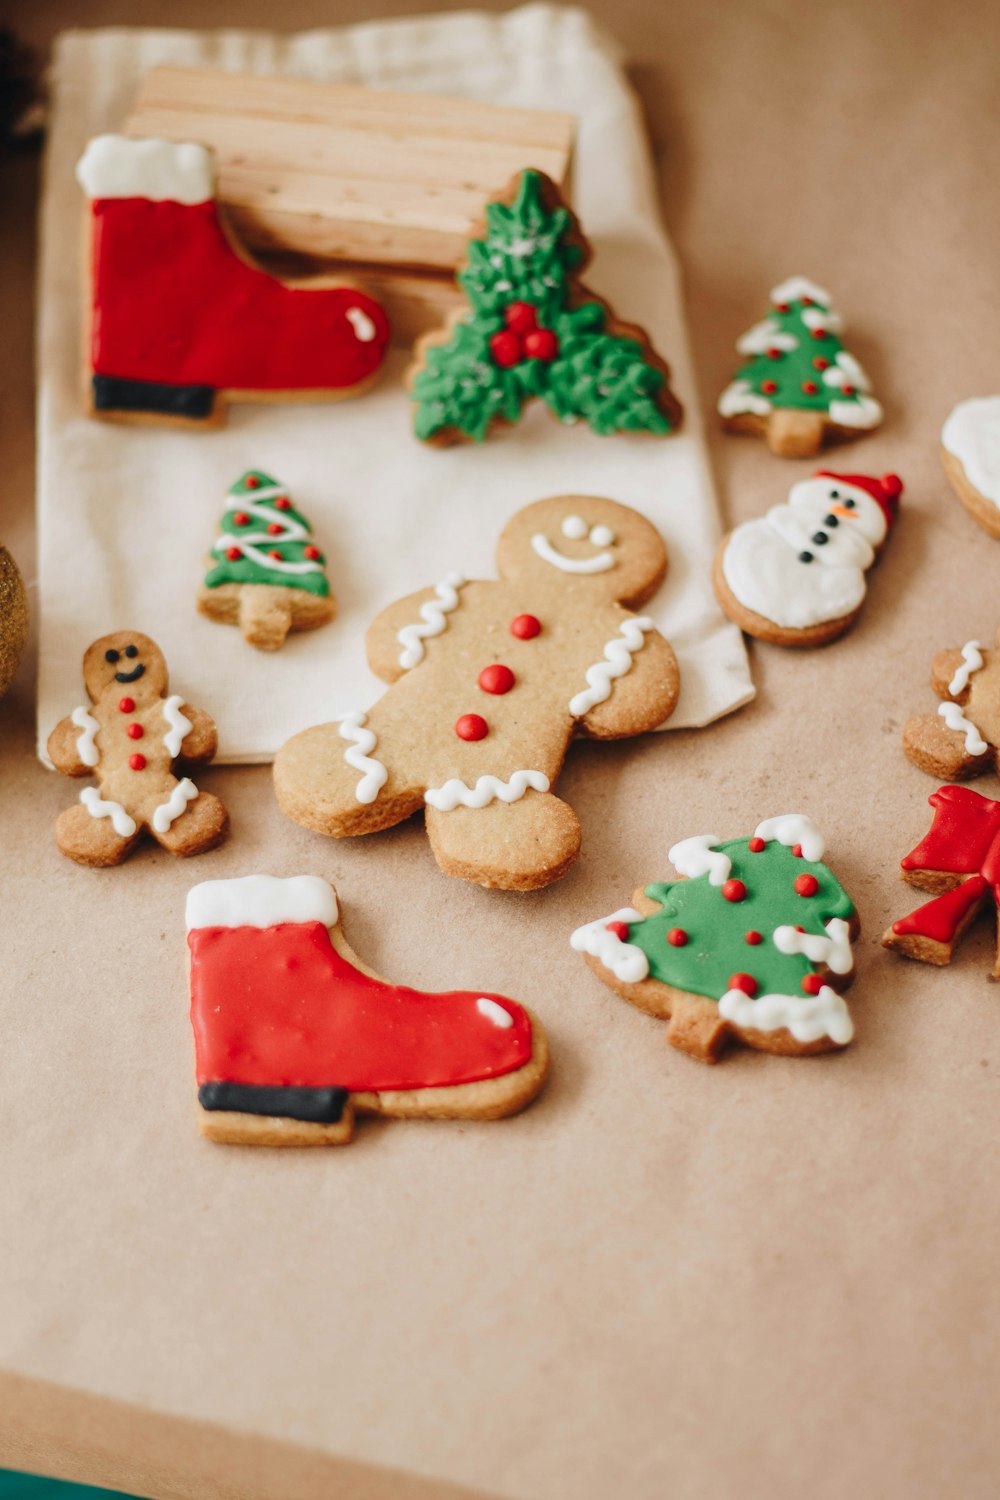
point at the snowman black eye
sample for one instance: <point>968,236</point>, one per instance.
<point>851,504</point>
<point>111,656</point>
<point>834,494</point>
<point>131,650</point>
<point>805,557</point>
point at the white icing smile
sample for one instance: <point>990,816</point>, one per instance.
<point>575,529</point>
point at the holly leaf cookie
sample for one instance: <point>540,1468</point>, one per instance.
<point>970,452</point>
<point>752,944</point>
<point>533,330</point>
<point>799,387</point>
<point>294,1035</point>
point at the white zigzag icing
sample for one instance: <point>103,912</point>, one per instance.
<point>456,793</point>
<point>184,792</point>
<point>433,614</point>
<point>85,747</point>
<point>374,774</point>
<point>617,660</point>
<point>955,719</point>
<point>180,725</point>
<point>92,800</point>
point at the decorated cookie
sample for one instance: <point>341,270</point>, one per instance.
<point>266,573</point>
<point>181,320</point>
<point>959,861</point>
<point>962,739</point>
<point>751,945</point>
<point>294,1034</point>
<point>129,739</point>
<point>796,576</point>
<point>531,328</point>
<point>970,451</point>
<point>490,682</point>
<point>13,619</point>
<point>799,387</point>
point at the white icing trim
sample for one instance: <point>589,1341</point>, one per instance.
<point>972,661</point>
<point>799,286</point>
<point>92,800</point>
<point>697,856</point>
<point>433,616</point>
<point>807,1017</point>
<point>85,747</point>
<point>545,550</point>
<point>834,950</point>
<point>364,328</point>
<point>168,812</point>
<point>627,963</point>
<point>245,541</point>
<point>823,318</point>
<point>791,829</point>
<point>956,720</point>
<point>374,774</point>
<point>764,336</point>
<point>495,1012</point>
<point>260,901</point>
<point>972,435</point>
<point>112,166</point>
<point>856,411</point>
<point>180,725</point>
<point>846,371</point>
<point>456,793</point>
<point>617,660</point>
<point>739,397</point>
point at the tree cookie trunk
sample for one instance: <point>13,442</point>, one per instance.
<point>795,434</point>
<point>265,615</point>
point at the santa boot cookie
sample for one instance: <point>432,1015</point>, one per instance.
<point>293,1033</point>
<point>129,739</point>
<point>265,574</point>
<point>796,576</point>
<point>959,861</point>
<point>752,944</point>
<point>490,682</point>
<point>961,740</point>
<point>180,319</point>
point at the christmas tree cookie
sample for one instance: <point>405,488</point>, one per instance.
<point>752,944</point>
<point>799,386</point>
<point>531,329</point>
<point>265,573</point>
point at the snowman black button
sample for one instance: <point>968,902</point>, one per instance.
<point>820,538</point>
<point>805,557</point>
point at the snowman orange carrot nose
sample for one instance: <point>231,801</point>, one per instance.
<point>842,510</point>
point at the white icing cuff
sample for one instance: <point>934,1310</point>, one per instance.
<point>791,829</point>
<point>113,166</point>
<point>260,901</point>
<point>627,962</point>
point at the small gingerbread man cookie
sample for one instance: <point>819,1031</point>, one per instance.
<point>962,739</point>
<point>129,739</point>
<point>490,682</point>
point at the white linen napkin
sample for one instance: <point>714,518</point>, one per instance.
<point>126,515</point>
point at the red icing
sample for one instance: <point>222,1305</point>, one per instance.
<point>769,387</point>
<point>541,343</point>
<point>677,937</point>
<point>311,552</point>
<point>819,333</point>
<point>806,885</point>
<point>744,982</point>
<point>496,679</point>
<point>241,518</point>
<point>282,502</point>
<point>756,845</point>
<point>810,387</point>
<point>275,528</point>
<point>819,363</point>
<point>847,390</point>
<point>941,918</point>
<point>753,937</point>
<point>126,706</point>
<point>252,482</point>
<point>172,302</point>
<point>797,850</point>
<point>233,553</point>
<point>525,627</point>
<point>135,731</point>
<point>471,727</point>
<point>520,317</point>
<point>505,348</point>
<point>782,307</point>
<point>774,353</point>
<point>812,984</point>
<point>734,890</point>
<point>620,930</point>
<point>137,762</point>
<point>280,1006</point>
<point>275,552</point>
<point>964,839</point>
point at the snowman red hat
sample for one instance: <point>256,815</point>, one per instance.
<point>885,491</point>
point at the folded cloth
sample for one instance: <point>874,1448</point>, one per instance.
<point>127,514</point>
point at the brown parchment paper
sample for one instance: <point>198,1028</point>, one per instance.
<point>764,1280</point>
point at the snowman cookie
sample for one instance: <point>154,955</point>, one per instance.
<point>129,738</point>
<point>970,452</point>
<point>796,576</point>
<point>490,681</point>
<point>962,739</point>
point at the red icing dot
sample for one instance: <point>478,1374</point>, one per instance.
<point>496,679</point>
<point>312,553</point>
<point>677,937</point>
<point>135,731</point>
<point>505,348</point>
<point>818,333</point>
<point>756,845</point>
<point>282,502</point>
<point>620,930</point>
<point>798,928</point>
<point>819,363</point>
<point>797,850</point>
<point>812,984</point>
<point>471,727</point>
<point>252,482</point>
<point>275,528</point>
<point>847,390</point>
<point>769,387</point>
<point>744,982</point>
<point>234,554</point>
<point>753,937</point>
<point>240,518</point>
<point>137,762</point>
<point>781,307</point>
<point>810,387</point>
<point>774,353</point>
<point>126,705</point>
<point>520,317</point>
<point>734,890</point>
<point>806,301</point>
<point>806,885</point>
<point>541,343</point>
<point>276,555</point>
<point>525,627</point>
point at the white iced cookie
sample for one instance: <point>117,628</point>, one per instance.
<point>970,450</point>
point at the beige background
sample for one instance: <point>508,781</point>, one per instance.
<point>760,1281</point>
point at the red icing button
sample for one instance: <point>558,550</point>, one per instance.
<point>135,731</point>
<point>282,502</point>
<point>744,982</point>
<point>812,984</point>
<point>240,518</point>
<point>677,937</point>
<point>620,930</point>
<point>126,705</point>
<point>756,845</point>
<point>275,528</point>
<point>312,553</point>
<point>137,762</point>
<point>769,387</point>
<point>471,727</point>
<point>520,317</point>
<point>781,307</point>
<point>276,555</point>
<point>252,482</point>
<point>819,363</point>
<point>496,679</point>
<point>734,890</point>
<point>525,627</point>
<point>819,333</point>
<point>810,387</point>
<point>234,554</point>
<point>806,885</point>
<point>774,353</point>
<point>753,937</point>
<point>541,343</point>
<point>505,348</point>
<point>797,850</point>
<point>847,390</point>
<point>806,301</point>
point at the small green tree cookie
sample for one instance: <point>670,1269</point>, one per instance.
<point>532,330</point>
<point>799,386</point>
<point>266,574</point>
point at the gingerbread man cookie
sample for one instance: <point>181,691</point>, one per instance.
<point>129,739</point>
<point>961,740</point>
<point>490,682</point>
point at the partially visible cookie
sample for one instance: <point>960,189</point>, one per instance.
<point>970,452</point>
<point>13,619</point>
<point>962,739</point>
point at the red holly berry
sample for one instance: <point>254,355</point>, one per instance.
<point>818,333</point>
<point>520,317</point>
<point>769,387</point>
<point>313,553</point>
<point>819,363</point>
<point>774,353</point>
<point>275,528</point>
<point>126,706</point>
<point>471,727</point>
<point>781,307</point>
<point>806,301</point>
<point>806,885</point>
<point>505,348</point>
<point>677,937</point>
<point>744,982</point>
<point>847,390</point>
<point>810,387</point>
<point>541,344</point>
<point>135,731</point>
<point>756,845</point>
<point>234,554</point>
<point>797,850</point>
<point>252,482</point>
<point>282,502</point>
<point>734,890</point>
<point>812,984</point>
<point>525,627</point>
<point>496,679</point>
<point>240,518</point>
<point>274,552</point>
<point>620,930</point>
<point>137,762</point>
<point>753,937</point>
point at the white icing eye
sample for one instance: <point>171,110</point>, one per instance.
<point>574,527</point>
<point>602,536</point>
